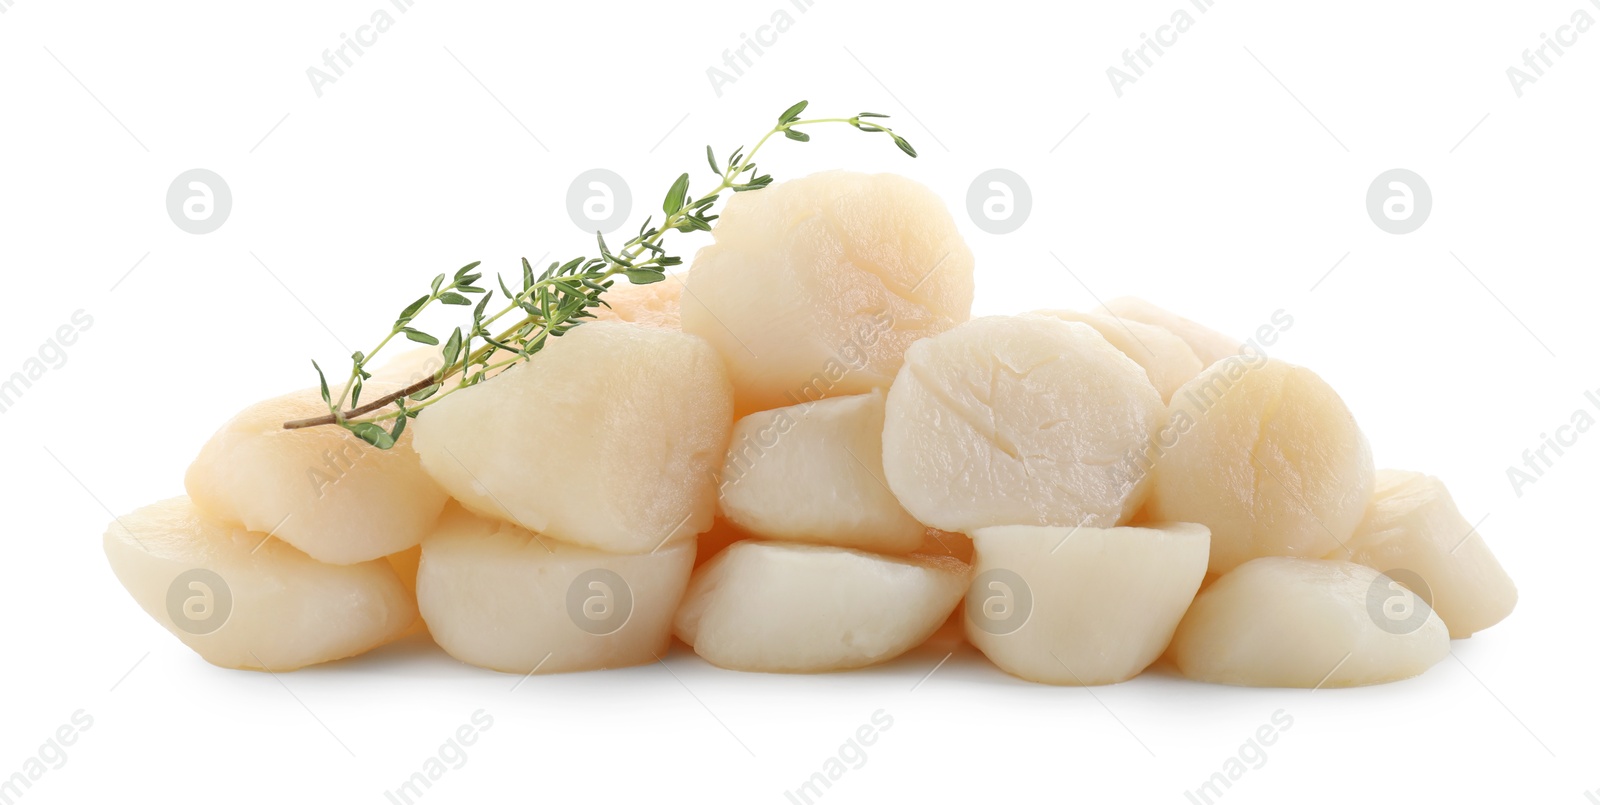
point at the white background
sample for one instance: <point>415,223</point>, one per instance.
<point>1225,183</point>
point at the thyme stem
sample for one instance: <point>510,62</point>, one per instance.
<point>554,301</point>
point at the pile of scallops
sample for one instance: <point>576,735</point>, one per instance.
<point>803,455</point>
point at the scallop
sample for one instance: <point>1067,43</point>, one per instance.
<point>814,473</point>
<point>796,608</point>
<point>319,489</point>
<point>1025,420</point>
<point>1413,532</point>
<point>1267,455</point>
<point>499,596</point>
<point>815,287</point>
<point>1307,623</point>
<point>610,437</point>
<point>1082,606</point>
<point>243,599</point>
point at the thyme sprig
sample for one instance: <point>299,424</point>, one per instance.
<point>549,302</point>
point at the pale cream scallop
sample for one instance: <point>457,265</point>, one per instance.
<point>1166,358</point>
<point>1306,623</point>
<point>1082,606</point>
<point>609,437</point>
<point>319,489</point>
<point>815,287</point>
<point>785,607</point>
<point>651,305</point>
<point>1025,420</point>
<point>814,473</point>
<point>1412,526</point>
<point>1267,455</point>
<point>498,596</point>
<point>1209,345</point>
<point>242,599</point>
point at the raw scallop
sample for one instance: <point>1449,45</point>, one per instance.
<point>610,437</point>
<point>794,608</point>
<point>498,596</point>
<point>814,473</point>
<point>1307,623</point>
<point>242,599</point>
<point>320,489</point>
<point>1025,420</point>
<point>1082,606</point>
<point>1268,456</point>
<point>815,287</point>
<point>1412,529</point>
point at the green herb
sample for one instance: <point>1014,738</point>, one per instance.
<point>546,304</point>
